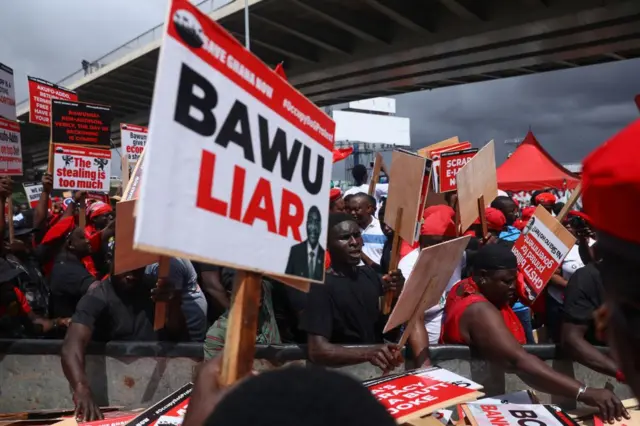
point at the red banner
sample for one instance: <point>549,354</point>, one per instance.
<point>40,94</point>
<point>450,164</point>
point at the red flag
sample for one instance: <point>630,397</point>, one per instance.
<point>280,70</point>
<point>340,154</point>
<point>638,102</point>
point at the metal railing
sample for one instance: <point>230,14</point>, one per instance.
<point>121,51</point>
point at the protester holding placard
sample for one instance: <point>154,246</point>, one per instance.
<point>345,309</point>
<point>478,314</point>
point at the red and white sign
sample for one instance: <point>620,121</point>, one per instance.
<point>7,93</point>
<point>10,148</point>
<point>133,139</point>
<point>541,248</point>
<point>517,415</point>
<point>33,191</point>
<point>450,164</point>
<point>416,393</point>
<point>169,411</point>
<point>80,168</point>
<point>435,156</point>
<point>40,94</point>
<point>246,158</point>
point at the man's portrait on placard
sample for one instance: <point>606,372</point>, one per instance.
<point>306,259</point>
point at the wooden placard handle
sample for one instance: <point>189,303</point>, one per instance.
<point>570,202</point>
<point>483,217</point>
<point>377,165</point>
<point>160,315</point>
<point>50,162</point>
<point>395,259</point>
<point>124,173</point>
<point>82,213</point>
<point>12,232</point>
<point>242,327</point>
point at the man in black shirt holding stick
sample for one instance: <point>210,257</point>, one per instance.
<point>345,310</point>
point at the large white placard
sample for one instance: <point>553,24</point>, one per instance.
<point>238,164</point>
<point>133,139</point>
<point>81,168</point>
<point>518,415</point>
<point>33,191</point>
<point>10,148</point>
<point>7,93</point>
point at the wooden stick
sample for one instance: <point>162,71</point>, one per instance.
<point>160,315</point>
<point>570,202</point>
<point>12,232</point>
<point>50,163</point>
<point>377,165</point>
<point>458,221</point>
<point>395,259</point>
<point>82,214</point>
<point>483,217</point>
<point>240,341</point>
<point>414,317</point>
<point>124,167</point>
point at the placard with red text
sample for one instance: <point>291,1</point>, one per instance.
<point>540,249</point>
<point>10,148</point>
<point>7,93</point>
<point>133,139</point>
<point>517,415</point>
<point>450,164</point>
<point>169,411</point>
<point>246,158</point>
<point>435,155</point>
<point>80,123</point>
<point>40,94</point>
<point>33,191</point>
<point>414,394</point>
<point>80,168</point>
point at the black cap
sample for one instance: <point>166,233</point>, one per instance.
<point>8,272</point>
<point>493,257</point>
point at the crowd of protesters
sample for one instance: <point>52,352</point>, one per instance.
<point>56,282</point>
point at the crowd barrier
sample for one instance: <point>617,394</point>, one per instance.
<point>136,374</point>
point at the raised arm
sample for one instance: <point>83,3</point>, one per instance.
<point>41,212</point>
<point>579,349</point>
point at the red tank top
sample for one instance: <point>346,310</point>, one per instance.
<point>462,295</point>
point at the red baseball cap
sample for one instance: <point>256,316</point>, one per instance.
<point>611,189</point>
<point>438,220</point>
<point>335,194</point>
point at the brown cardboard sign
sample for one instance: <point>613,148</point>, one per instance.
<point>424,152</point>
<point>126,258</point>
<point>476,179</point>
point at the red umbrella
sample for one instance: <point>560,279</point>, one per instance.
<point>340,154</point>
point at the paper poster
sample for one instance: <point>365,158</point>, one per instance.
<point>10,148</point>
<point>33,191</point>
<point>80,123</point>
<point>517,415</point>
<point>40,94</point>
<point>7,93</point>
<point>450,165</point>
<point>169,411</point>
<point>133,139</point>
<point>435,155</point>
<point>540,250</point>
<point>246,158</point>
<point>410,395</point>
<point>79,168</point>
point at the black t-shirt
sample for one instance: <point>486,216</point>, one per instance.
<point>68,282</point>
<point>583,295</point>
<point>112,315</point>
<point>345,310</point>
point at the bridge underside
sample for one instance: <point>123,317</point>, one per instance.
<point>340,50</point>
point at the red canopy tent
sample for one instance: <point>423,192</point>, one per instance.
<point>530,167</point>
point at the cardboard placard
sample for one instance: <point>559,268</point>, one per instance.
<point>10,148</point>
<point>244,155</point>
<point>80,168</point>
<point>33,191</point>
<point>7,93</point>
<point>516,415</point>
<point>169,411</point>
<point>411,394</point>
<point>126,258</point>
<point>540,250</point>
<point>408,173</point>
<point>450,164</point>
<point>476,179</point>
<point>41,92</point>
<point>429,277</point>
<point>80,123</point>
<point>132,190</point>
<point>424,152</point>
<point>133,139</point>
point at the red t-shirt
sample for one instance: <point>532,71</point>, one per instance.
<point>462,295</point>
<point>22,305</point>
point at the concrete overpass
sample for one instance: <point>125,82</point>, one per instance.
<point>340,50</point>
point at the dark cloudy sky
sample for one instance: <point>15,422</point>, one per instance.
<point>570,111</point>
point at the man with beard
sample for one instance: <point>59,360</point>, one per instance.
<point>611,190</point>
<point>117,308</point>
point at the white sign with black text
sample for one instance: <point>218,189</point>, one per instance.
<point>7,93</point>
